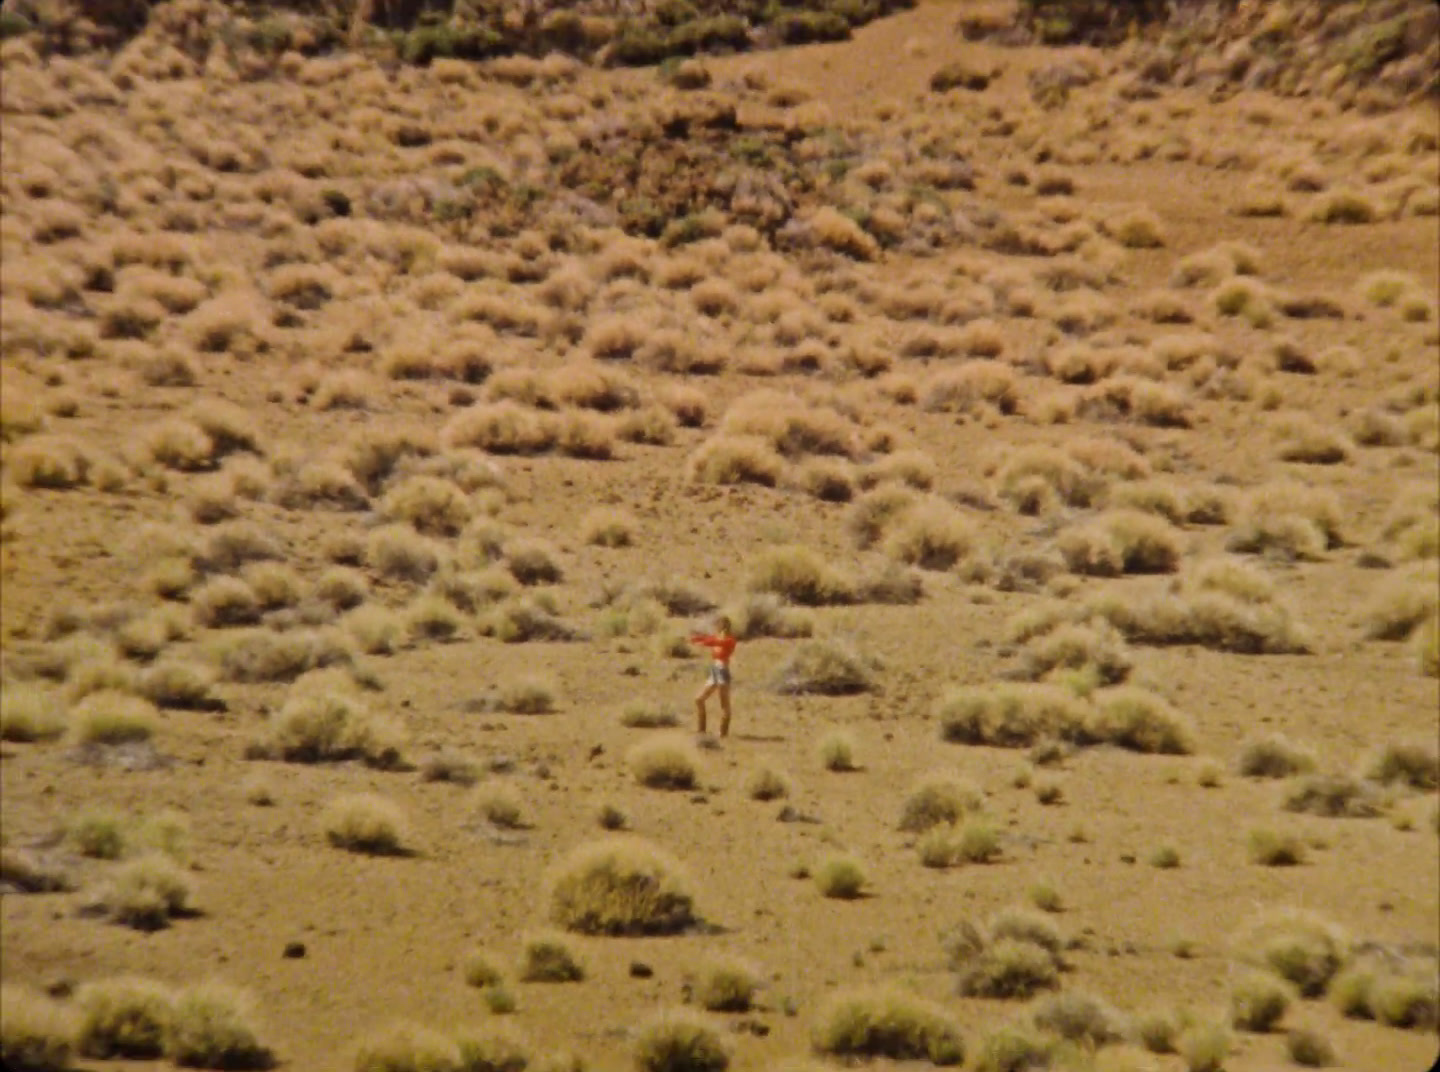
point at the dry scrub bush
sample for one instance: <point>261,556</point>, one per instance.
<point>366,823</point>
<point>1210,619</point>
<point>406,1047</point>
<point>790,425</point>
<point>1140,721</point>
<point>146,892</point>
<point>53,462</point>
<point>434,506</point>
<point>1274,756</point>
<point>211,1026</point>
<point>873,513</point>
<point>764,614</point>
<point>1204,1047</point>
<point>932,535</point>
<point>836,750</point>
<point>37,1033</point>
<point>1412,764</point>
<point>1258,1000</point>
<point>620,886</point>
<point>532,561</point>
<point>1093,652</point>
<point>726,984</point>
<point>887,1022</point>
<point>1334,796</point>
<point>503,427</point>
<point>735,460</point>
<point>1122,541</point>
<point>1304,440</point>
<point>1010,716</point>
<point>1014,957</point>
<point>827,667</point>
<point>331,727</point>
<point>522,619</point>
<point>107,717</point>
<point>767,783</point>
<point>1032,473</point>
<point>29,713</point>
<point>798,574</point>
<point>665,761</point>
<point>1300,947</point>
<point>679,1040</point>
<point>550,958</point>
<point>1403,602</point>
<point>1288,535</point>
<point>222,602</point>
<point>607,527</point>
<point>400,553</point>
<point>1138,228</point>
<point>1270,849</point>
<point>946,845</point>
<point>126,1017</point>
<point>1080,1018</point>
<point>1392,990</point>
<point>939,798</point>
<point>974,386</point>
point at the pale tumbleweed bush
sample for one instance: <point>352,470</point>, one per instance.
<point>679,1040</point>
<point>620,886</point>
<point>366,823</point>
<point>887,1022</point>
<point>211,1026</point>
<point>840,876</point>
<point>124,1017</point>
<point>37,1033</point>
<point>665,761</point>
<point>726,984</point>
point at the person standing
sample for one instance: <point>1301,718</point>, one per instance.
<point>722,646</point>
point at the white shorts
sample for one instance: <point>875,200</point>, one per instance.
<point>719,674</point>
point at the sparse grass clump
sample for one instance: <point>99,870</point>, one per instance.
<point>211,1026</point>
<point>1298,946</point>
<point>840,876</point>
<point>1122,541</point>
<point>680,1041</point>
<point>1412,764</point>
<point>1258,1000</point>
<point>767,783</point>
<point>1403,603</point>
<point>800,575</point>
<point>329,727</point>
<point>108,717</point>
<point>1016,955</point>
<point>726,984</point>
<point>931,535</point>
<point>1010,716</point>
<point>500,805</point>
<point>887,1022</point>
<point>837,752</point>
<point>1274,756</point>
<point>977,841</point>
<point>607,527</point>
<point>29,713</point>
<point>763,614</point>
<point>126,1017</point>
<point>736,459</point>
<point>1335,796</point>
<point>665,761</point>
<point>37,1033</point>
<point>1394,991</point>
<point>827,667</point>
<point>1204,1047</point>
<point>406,1047</point>
<point>940,798</point>
<point>620,886</point>
<point>550,958</point>
<point>1309,1049</point>
<point>1142,722</point>
<point>1080,1017</point>
<point>1271,849</point>
<point>366,823</point>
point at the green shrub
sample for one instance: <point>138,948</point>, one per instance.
<point>887,1022</point>
<point>620,886</point>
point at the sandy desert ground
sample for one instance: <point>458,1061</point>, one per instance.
<point>1066,458</point>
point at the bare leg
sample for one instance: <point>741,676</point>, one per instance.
<point>724,710</point>
<point>700,698</point>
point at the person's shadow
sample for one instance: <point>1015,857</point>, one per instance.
<point>759,738</point>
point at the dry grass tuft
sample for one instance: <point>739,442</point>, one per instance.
<point>798,574</point>
<point>1014,957</point>
<point>680,1040</point>
<point>37,1033</point>
<point>211,1026</point>
<point>126,1017</point>
<point>620,886</point>
<point>330,727</point>
<point>1011,716</point>
<point>1413,764</point>
<point>931,535</point>
<point>1270,849</point>
<point>726,984</point>
<point>1274,756</point>
<point>887,1022</point>
<point>939,798</point>
<point>29,713</point>
<point>735,460</point>
<point>1334,796</point>
<point>1298,946</point>
<point>366,823</point>
<point>827,667</point>
<point>1122,541</point>
<point>665,761</point>
<point>108,717</point>
<point>550,958</point>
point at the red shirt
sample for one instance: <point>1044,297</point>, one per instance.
<point>721,647</point>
